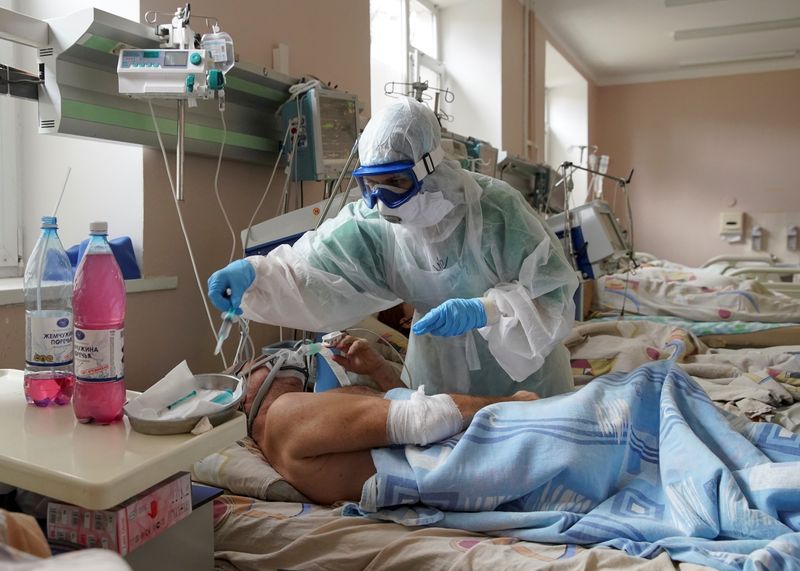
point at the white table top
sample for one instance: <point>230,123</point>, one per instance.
<point>47,451</point>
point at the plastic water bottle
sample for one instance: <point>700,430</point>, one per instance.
<point>48,320</point>
<point>99,303</point>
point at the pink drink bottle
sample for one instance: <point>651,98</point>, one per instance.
<point>99,306</point>
<point>48,320</point>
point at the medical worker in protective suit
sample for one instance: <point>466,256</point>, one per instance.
<point>490,284</point>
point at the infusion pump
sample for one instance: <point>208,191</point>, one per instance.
<point>168,74</point>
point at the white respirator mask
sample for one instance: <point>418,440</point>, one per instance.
<point>423,210</point>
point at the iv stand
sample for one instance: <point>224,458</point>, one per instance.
<point>337,185</point>
<point>622,182</point>
<point>182,17</point>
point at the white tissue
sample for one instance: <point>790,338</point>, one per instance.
<point>204,425</point>
<point>179,382</point>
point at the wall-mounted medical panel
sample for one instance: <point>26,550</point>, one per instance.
<point>80,95</point>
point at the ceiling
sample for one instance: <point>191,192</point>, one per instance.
<point>628,41</point>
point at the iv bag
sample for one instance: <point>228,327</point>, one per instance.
<point>220,46</point>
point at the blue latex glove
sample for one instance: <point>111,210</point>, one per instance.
<point>453,317</point>
<point>227,286</point>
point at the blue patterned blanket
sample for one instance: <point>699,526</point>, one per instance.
<point>642,462</point>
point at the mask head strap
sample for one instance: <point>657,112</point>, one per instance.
<point>428,163</point>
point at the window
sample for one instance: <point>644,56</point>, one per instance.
<point>106,178</point>
<point>404,46</point>
<point>566,118</point>
<point>9,196</point>
<point>422,27</point>
<point>423,44</point>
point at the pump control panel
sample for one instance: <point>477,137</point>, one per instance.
<point>166,73</point>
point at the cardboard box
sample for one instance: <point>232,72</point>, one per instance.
<point>127,526</point>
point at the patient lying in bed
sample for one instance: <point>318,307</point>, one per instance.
<point>641,461</point>
<point>321,442</point>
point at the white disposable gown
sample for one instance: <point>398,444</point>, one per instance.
<point>491,244</point>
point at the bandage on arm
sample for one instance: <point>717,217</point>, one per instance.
<point>423,419</point>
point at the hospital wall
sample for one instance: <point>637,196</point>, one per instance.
<point>701,147</point>
<point>165,327</point>
<point>333,45</point>
<point>482,47</point>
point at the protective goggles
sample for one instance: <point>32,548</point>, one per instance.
<point>396,183</point>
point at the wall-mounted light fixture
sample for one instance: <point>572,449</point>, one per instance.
<point>764,56</point>
<point>674,3</point>
<point>749,28</point>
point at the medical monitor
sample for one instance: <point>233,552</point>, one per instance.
<point>597,240</point>
<point>328,126</point>
<point>534,181</point>
<point>473,154</point>
<point>487,158</point>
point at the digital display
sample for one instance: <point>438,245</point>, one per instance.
<point>337,118</point>
<point>175,58</point>
<point>151,54</point>
<point>612,231</point>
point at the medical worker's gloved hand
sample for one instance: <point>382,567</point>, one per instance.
<point>227,286</point>
<point>453,317</point>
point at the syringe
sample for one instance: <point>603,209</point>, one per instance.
<point>228,319</point>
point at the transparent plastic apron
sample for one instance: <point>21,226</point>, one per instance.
<point>464,363</point>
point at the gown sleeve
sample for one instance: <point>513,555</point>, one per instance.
<point>531,308</point>
<point>330,279</point>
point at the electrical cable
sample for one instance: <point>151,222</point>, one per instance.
<point>266,191</point>
<point>296,90</point>
<point>283,202</point>
<point>345,194</point>
<point>216,185</point>
<point>34,81</point>
<point>183,229</point>
<point>629,212</point>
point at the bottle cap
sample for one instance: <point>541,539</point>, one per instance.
<point>98,228</point>
<point>49,222</point>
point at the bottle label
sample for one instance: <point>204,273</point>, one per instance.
<point>49,339</point>
<point>99,354</point>
<point>217,48</point>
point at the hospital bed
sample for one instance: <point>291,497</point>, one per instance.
<point>738,290</point>
<point>724,309</point>
<point>768,269</point>
<point>262,522</point>
<point>781,279</point>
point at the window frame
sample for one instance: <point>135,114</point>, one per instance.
<point>416,57</point>
<point>11,254</point>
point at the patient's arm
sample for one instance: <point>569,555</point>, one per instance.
<point>321,442</point>
<point>356,356</point>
